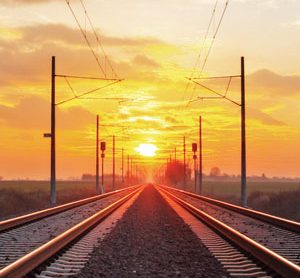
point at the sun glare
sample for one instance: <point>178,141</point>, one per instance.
<point>146,149</point>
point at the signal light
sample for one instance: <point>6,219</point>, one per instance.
<point>103,146</point>
<point>194,147</point>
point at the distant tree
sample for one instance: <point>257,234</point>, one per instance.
<point>174,173</point>
<point>225,175</point>
<point>88,177</point>
<point>215,172</point>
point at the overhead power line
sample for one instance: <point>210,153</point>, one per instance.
<point>89,44</point>
<point>86,39</point>
<point>96,34</point>
<point>200,53</point>
<point>114,79</point>
<point>215,35</point>
<point>205,37</point>
<point>212,42</point>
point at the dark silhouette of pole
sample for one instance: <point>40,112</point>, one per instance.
<point>128,170</point>
<point>122,166</point>
<point>53,162</point>
<point>102,173</point>
<point>136,172</point>
<point>243,137</point>
<point>114,164</point>
<point>97,154</point>
<point>166,171</point>
<point>131,165</point>
<point>103,147</point>
<point>184,163</point>
<point>175,154</point>
<point>200,157</point>
<point>194,149</point>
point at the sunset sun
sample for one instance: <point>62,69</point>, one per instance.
<point>146,149</point>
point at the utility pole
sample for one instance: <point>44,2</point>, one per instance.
<point>136,172</point>
<point>175,154</point>
<point>97,154</point>
<point>194,149</point>
<point>123,166</point>
<point>166,171</point>
<point>184,164</point>
<point>243,137</point>
<point>200,157</point>
<point>131,165</point>
<point>53,152</point>
<point>103,147</point>
<point>128,170</point>
<point>114,164</point>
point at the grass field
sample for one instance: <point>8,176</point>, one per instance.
<point>275,197</point>
<point>233,188</point>
<point>278,198</point>
<point>19,197</point>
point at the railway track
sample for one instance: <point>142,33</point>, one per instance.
<point>244,245</point>
<point>27,241</point>
<point>274,243</point>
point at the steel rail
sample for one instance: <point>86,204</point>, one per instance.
<point>27,218</point>
<point>274,220</point>
<point>35,258</point>
<point>274,261</point>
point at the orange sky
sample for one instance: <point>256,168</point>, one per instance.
<point>153,45</point>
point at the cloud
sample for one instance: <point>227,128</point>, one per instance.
<point>296,23</point>
<point>264,118</point>
<point>171,119</point>
<point>25,2</point>
<point>25,53</point>
<point>272,83</point>
<point>261,83</point>
<point>63,33</point>
<point>143,60</point>
<point>34,113</point>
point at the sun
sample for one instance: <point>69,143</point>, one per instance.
<point>146,149</point>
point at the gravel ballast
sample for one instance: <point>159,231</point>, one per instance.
<point>151,240</point>
<point>278,239</point>
<point>19,241</point>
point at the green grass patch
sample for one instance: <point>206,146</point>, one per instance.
<point>20,197</point>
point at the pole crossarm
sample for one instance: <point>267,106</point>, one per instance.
<point>215,92</point>
<point>214,77</point>
<point>221,97</point>
<point>86,93</point>
<point>88,77</point>
<point>203,98</point>
<point>120,99</point>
